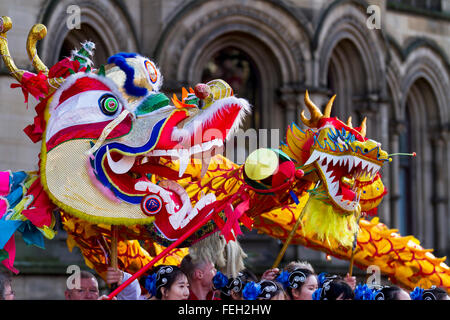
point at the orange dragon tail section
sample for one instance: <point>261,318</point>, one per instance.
<point>402,259</point>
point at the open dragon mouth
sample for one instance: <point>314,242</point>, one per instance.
<point>124,171</point>
<point>149,178</point>
<point>340,173</point>
<point>132,176</point>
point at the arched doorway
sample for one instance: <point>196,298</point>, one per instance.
<point>74,39</point>
<point>346,78</point>
<point>419,176</point>
<point>102,22</point>
<point>237,68</point>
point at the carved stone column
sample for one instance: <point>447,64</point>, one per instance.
<point>289,98</point>
<point>396,129</point>
<point>439,198</point>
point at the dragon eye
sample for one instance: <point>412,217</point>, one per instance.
<point>153,74</point>
<point>108,104</point>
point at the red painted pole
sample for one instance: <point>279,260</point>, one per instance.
<point>162,254</point>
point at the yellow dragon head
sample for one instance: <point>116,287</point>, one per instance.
<point>344,167</point>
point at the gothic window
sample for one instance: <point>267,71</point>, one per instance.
<point>77,36</point>
<point>346,75</point>
<point>236,68</point>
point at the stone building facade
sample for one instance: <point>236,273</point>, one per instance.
<point>385,59</point>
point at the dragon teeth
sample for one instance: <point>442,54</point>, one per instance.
<point>184,155</point>
<point>333,188</point>
<point>121,166</point>
<point>312,158</point>
<point>351,163</point>
<point>336,160</point>
<point>206,159</point>
<point>184,161</point>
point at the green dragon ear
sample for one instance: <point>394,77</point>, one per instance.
<point>101,71</point>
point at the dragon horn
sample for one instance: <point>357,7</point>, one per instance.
<point>349,122</point>
<point>315,112</point>
<point>328,107</point>
<point>5,26</point>
<point>37,32</point>
<point>362,131</point>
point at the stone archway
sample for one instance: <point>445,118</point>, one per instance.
<point>114,32</point>
<point>196,35</point>
<point>426,90</point>
<point>350,60</point>
<point>419,93</point>
<point>345,72</point>
<point>77,36</point>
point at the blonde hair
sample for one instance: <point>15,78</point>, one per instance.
<point>291,266</point>
<point>227,257</point>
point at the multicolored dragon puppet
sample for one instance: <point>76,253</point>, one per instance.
<point>117,151</point>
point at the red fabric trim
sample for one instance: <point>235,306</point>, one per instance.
<point>338,124</point>
<point>35,130</point>
<point>61,69</point>
<point>40,211</point>
<point>89,131</point>
<point>10,247</point>
<point>165,141</point>
<point>33,84</point>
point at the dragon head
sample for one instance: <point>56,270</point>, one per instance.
<point>339,156</point>
<point>105,131</point>
<point>119,125</point>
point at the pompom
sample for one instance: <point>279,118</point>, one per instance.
<point>150,284</point>
<point>283,278</point>
<point>321,278</point>
<point>251,291</point>
<point>220,280</point>
<point>363,292</point>
<point>416,294</point>
<point>316,294</point>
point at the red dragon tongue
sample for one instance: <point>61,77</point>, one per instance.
<point>347,194</point>
<point>177,202</point>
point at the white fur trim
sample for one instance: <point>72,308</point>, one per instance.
<point>207,116</point>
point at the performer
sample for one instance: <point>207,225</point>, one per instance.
<point>334,289</point>
<point>392,293</point>
<point>131,292</point>
<point>168,283</point>
<point>231,288</point>
<point>299,283</point>
<point>200,274</point>
<point>6,291</point>
<point>271,290</point>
